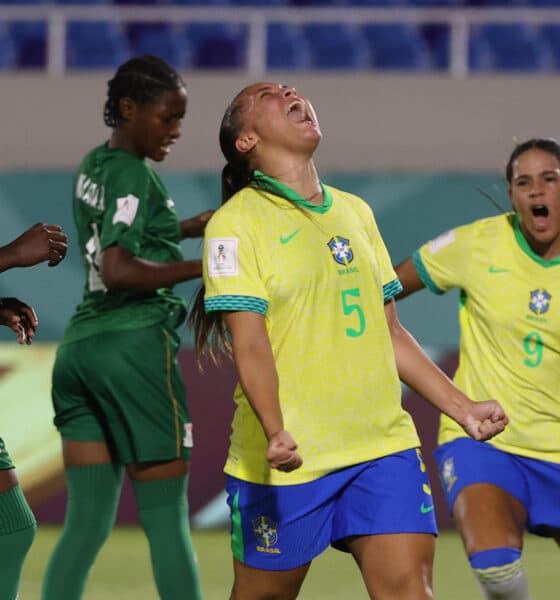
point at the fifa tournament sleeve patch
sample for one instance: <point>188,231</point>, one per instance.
<point>127,208</point>
<point>222,257</point>
<point>441,241</point>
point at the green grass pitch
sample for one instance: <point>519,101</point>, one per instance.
<point>122,570</point>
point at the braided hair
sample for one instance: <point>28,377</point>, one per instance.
<point>143,79</point>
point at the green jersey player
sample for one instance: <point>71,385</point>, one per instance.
<point>118,394</point>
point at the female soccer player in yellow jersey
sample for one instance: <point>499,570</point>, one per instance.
<point>40,243</point>
<point>298,279</point>
<point>508,270</point>
<point>117,390</point>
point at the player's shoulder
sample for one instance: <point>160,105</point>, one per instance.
<point>114,162</point>
<point>349,199</point>
<point>490,228</point>
<point>240,210</point>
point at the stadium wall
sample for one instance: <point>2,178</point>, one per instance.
<point>370,122</point>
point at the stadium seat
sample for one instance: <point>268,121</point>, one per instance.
<point>95,45</point>
<point>217,45</point>
<point>286,47</point>
<point>551,35</point>
<point>161,39</point>
<point>366,3</point>
<point>24,2</point>
<point>316,2</point>
<point>200,3</point>
<point>7,49</point>
<point>336,46</point>
<point>30,40</point>
<point>438,38</point>
<point>82,2</point>
<point>397,46</point>
<point>513,47</point>
<point>263,3</point>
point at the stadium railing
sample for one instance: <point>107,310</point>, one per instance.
<point>458,20</point>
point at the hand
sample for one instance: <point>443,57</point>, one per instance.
<point>195,226</point>
<point>38,244</point>
<point>281,453</point>
<point>484,420</point>
<point>20,318</point>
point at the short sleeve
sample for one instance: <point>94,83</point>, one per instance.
<point>441,264</point>
<point>126,197</point>
<point>234,270</point>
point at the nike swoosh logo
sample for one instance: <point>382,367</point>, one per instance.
<point>426,509</point>
<point>287,238</point>
<point>497,270</point>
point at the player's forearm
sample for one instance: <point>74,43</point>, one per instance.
<point>422,375</point>
<point>127,272</point>
<point>256,368</point>
<point>8,258</point>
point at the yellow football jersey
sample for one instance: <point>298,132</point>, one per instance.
<point>509,317</point>
<point>319,275</point>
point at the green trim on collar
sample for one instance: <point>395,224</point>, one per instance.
<point>524,245</point>
<point>273,186</point>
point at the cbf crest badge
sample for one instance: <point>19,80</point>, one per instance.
<point>341,250</point>
<point>448,476</point>
<point>540,301</point>
<point>266,531</point>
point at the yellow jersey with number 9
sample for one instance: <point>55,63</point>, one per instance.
<point>320,276</point>
<point>509,317</point>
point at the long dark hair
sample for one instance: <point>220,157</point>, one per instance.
<point>143,79</point>
<point>548,145</point>
<point>209,329</point>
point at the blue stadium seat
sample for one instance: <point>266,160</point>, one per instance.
<point>163,40</point>
<point>217,45</point>
<point>366,3</point>
<point>82,2</point>
<point>397,46</point>
<point>30,40</point>
<point>513,47</point>
<point>316,2</point>
<point>24,2</point>
<point>286,47</point>
<point>437,3</point>
<point>200,3</point>
<point>551,35</point>
<point>95,45</point>
<point>7,49</point>
<point>263,3</point>
<point>438,39</point>
<point>336,46</point>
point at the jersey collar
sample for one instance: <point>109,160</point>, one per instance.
<point>273,186</point>
<point>524,245</point>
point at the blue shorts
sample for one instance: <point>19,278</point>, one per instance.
<point>535,483</point>
<point>279,528</point>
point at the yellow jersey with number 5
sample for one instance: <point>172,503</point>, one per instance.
<point>319,275</point>
<point>509,317</point>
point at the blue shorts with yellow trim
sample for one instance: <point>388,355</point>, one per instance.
<point>535,483</point>
<point>283,527</point>
<point>124,388</point>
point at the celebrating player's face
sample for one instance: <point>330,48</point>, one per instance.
<point>535,194</point>
<point>156,126</point>
<point>276,115</point>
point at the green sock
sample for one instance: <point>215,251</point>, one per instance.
<point>162,508</point>
<point>17,530</point>
<point>93,498</point>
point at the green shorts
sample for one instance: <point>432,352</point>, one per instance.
<point>5,460</point>
<point>124,388</point>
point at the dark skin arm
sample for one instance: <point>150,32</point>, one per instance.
<point>195,226</point>
<point>120,269</point>
<point>38,244</point>
<point>20,318</point>
<point>406,272</point>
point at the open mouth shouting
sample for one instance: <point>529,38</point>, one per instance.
<point>297,112</point>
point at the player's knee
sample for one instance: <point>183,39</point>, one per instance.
<point>500,573</point>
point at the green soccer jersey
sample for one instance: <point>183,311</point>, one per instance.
<point>320,276</point>
<point>510,328</point>
<point>120,200</point>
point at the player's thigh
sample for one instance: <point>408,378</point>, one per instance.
<point>489,517</point>
<point>395,566</point>
<point>259,584</point>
